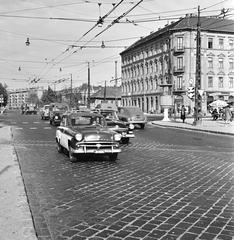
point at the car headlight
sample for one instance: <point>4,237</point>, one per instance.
<point>56,117</point>
<point>117,137</point>
<point>78,137</point>
<point>131,126</point>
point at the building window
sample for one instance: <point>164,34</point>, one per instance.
<point>220,63</point>
<point>220,82</point>
<point>180,43</point>
<point>179,82</point>
<point>220,43</point>
<point>210,82</point>
<point>210,62</point>
<point>210,43</point>
<point>231,44</point>
<point>230,63</point>
<point>179,63</point>
<point>230,82</point>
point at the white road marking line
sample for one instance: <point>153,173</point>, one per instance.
<point>47,127</point>
<point>18,128</point>
<point>33,128</point>
<point>24,122</point>
<point>13,122</point>
<point>35,122</point>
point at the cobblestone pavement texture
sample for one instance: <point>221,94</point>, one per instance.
<point>157,192</point>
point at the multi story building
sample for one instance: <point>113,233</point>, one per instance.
<point>164,63</point>
<point>19,96</point>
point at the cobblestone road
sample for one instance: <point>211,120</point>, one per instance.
<point>153,191</point>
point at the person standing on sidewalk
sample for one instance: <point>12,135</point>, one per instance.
<point>183,113</point>
<point>227,113</point>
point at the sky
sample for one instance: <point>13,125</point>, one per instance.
<point>65,41</point>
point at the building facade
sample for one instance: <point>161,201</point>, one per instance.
<point>19,96</point>
<point>164,63</point>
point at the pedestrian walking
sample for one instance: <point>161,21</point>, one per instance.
<point>183,113</point>
<point>228,114</point>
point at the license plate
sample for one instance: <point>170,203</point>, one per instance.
<point>99,151</point>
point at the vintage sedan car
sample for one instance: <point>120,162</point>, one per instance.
<point>44,112</point>
<point>85,133</point>
<point>56,110</point>
<point>113,123</point>
<point>132,115</point>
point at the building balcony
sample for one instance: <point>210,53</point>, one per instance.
<point>179,49</point>
<point>178,90</point>
<point>165,83</point>
<point>179,69</point>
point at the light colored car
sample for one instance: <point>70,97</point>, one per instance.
<point>86,133</point>
<point>132,115</point>
<point>44,112</point>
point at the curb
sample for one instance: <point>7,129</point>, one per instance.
<point>26,215</point>
<point>195,129</point>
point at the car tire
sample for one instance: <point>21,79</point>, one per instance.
<point>113,157</point>
<point>50,122</point>
<point>59,147</point>
<point>72,158</point>
<point>142,126</point>
<point>125,140</point>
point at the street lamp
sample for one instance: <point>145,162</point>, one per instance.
<point>27,42</point>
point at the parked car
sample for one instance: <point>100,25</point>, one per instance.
<point>56,110</point>
<point>86,133</point>
<point>113,123</point>
<point>132,115</point>
<point>44,112</point>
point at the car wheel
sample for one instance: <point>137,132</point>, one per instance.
<point>72,158</point>
<point>142,126</point>
<point>125,140</point>
<point>59,147</point>
<point>50,122</point>
<point>113,157</point>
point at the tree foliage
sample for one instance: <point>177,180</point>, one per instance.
<point>3,91</point>
<point>49,96</point>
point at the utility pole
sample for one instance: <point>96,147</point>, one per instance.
<point>116,101</point>
<point>71,93</point>
<point>105,92</point>
<point>88,86</point>
<point>198,71</point>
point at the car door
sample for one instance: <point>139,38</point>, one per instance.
<point>63,136</point>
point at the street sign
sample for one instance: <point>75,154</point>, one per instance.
<point>201,92</point>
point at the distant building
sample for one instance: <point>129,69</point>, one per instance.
<point>107,94</point>
<point>19,96</point>
<point>164,63</point>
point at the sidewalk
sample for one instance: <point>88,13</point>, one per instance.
<point>16,219</point>
<point>207,125</point>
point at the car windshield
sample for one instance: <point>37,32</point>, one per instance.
<point>83,121</point>
<point>109,115</point>
<point>60,108</point>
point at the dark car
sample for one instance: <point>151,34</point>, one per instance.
<point>84,133</point>
<point>132,115</point>
<point>56,110</point>
<point>113,123</point>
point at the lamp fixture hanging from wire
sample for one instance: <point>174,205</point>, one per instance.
<point>27,43</point>
<point>60,69</point>
<point>103,45</point>
<point>19,69</point>
<point>100,20</point>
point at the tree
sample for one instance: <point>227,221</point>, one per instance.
<point>48,96</point>
<point>3,92</point>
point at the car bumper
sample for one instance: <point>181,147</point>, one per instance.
<point>128,135</point>
<point>138,122</point>
<point>96,151</point>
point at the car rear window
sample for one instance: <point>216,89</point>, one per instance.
<point>135,111</point>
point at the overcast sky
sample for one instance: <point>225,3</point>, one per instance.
<point>61,45</point>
